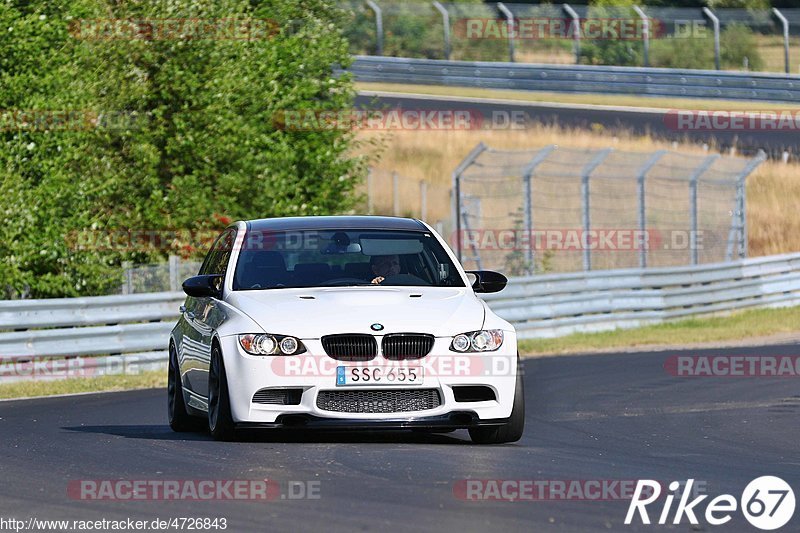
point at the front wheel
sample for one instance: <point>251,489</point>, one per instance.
<point>220,421</point>
<point>512,430</point>
<point>179,419</point>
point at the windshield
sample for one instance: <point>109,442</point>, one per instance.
<point>336,258</point>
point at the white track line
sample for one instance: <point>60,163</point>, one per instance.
<point>71,394</point>
<point>503,101</point>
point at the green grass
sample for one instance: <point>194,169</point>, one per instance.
<point>26,389</point>
<point>564,98</point>
<point>734,327</point>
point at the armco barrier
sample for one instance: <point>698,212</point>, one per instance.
<point>558,304</point>
<point>579,78</point>
<point>134,327</point>
<point>549,305</point>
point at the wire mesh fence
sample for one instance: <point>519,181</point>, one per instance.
<point>391,193</point>
<point>559,209</point>
<point>158,277</point>
<point>671,37</point>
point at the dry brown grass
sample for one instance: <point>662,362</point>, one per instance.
<point>773,191</point>
<point>770,47</point>
<point>773,196</point>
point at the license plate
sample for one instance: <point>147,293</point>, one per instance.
<point>347,376</point>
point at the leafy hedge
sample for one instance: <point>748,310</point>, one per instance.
<point>194,141</point>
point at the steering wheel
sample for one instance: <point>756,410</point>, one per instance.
<point>404,280</point>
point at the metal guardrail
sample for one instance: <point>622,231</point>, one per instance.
<point>93,310</point>
<point>579,78</point>
<point>559,304</point>
<point>87,326</point>
<point>539,306</point>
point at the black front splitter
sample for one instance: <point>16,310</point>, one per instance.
<point>454,420</point>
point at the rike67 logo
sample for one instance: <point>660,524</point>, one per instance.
<point>767,503</point>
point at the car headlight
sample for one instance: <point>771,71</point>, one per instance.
<point>485,340</point>
<point>268,344</point>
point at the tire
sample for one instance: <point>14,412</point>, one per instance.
<point>220,420</point>
<point>179,419</point>
<point>512,430</point>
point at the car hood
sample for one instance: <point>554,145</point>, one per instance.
<point>312,313</point>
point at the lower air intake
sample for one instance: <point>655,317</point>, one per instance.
<point>379,401</point>
<point>278,396</point>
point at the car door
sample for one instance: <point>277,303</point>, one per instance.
<point>202,317</point>
<point>210,311</point>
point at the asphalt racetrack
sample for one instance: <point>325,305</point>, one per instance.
<point>637,121</point>
<point>594,417</point>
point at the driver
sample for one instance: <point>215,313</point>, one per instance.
<point>384,266</point>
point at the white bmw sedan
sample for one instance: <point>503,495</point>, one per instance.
<point>341,322</point>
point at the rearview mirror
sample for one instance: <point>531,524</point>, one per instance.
<point>208,285</point>
<point>488,281</point>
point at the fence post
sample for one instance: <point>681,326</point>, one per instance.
<point>378,25</point>
<point>715,22</point>
<point>174,282</point>
<point>369,191</point>
<point>127,284</point>
<point>587,171</point>
<point>445,27</point>
<point>760,158</point>
<point>423,200</point>
<point>646,32</point>
<point>693,179</point>
<point>576,21</point>
<point>527,178</point>
<point>785,24</point>
<point>465,163</point>
<point>510,26</point>
<point>642,176</point>
<point>395,194</point>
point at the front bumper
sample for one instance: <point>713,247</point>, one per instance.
<point>454,420</point>
<point>314,372</point>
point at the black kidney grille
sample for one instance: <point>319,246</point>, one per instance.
<point>400,346</point>
<point>350,347</point>
<point>379,401</point>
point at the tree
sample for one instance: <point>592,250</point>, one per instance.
<point>198,133</point>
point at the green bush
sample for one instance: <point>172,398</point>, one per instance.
<point>205,146</point>
<point>413,30</point>
<point>612,51</point>
<point>736,42</point>
<point>694,53</point>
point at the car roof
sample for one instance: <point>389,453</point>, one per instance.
<point>335,223</point>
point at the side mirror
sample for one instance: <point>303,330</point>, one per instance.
<point>209,285</point>
<point>488,281</point>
